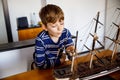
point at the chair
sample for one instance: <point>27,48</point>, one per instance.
<point>33,66</point>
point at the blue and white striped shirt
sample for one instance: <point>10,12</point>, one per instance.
<point>46,51</point>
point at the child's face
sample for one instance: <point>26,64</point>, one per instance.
<point>55,30</point>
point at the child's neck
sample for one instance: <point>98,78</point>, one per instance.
<point>55,39</point>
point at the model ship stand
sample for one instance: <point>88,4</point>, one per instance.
<point>96,63</point>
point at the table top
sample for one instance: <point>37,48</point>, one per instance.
<point>33,75</point>
<point>38,74</point>
<point>46,75</point>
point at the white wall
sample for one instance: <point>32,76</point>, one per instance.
<point>20,8</point>
<point>3,33</point>
<point>15,61</point>
<point>78,17</point>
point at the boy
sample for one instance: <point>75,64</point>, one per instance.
<point>52,41</point>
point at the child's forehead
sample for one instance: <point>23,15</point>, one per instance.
<point>58,21</point>
<point>50,23</point>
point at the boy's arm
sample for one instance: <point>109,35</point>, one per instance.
<point>40,57</point>
<point>69,45</point>
<point>70,52</point>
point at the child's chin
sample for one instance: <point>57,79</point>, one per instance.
<point>58,35</point>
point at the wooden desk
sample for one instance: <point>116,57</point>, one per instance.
<point>33,75</point>
<point>48,74</point>
<point>115,75</point>
<point>29,33</point>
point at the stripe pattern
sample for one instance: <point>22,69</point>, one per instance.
<point>46,51</point>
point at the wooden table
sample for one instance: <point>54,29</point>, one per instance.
<point>46,75</point>
<point>115,75</point>
<point>37,74</point>
<point>33,75</point>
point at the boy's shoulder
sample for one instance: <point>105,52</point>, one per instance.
<point>43,34</point>
<point>66,31</point>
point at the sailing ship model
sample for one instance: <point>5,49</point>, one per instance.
<point>97,62</point>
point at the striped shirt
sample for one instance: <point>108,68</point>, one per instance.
<point>46,51</point>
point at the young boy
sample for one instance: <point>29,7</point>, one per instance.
<point>52,41</point>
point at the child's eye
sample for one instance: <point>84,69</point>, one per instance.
<point>62,22</point>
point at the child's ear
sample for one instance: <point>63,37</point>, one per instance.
<point>44,27</point>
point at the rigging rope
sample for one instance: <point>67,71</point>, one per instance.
<point>115,19</point>
<point>87,35</point>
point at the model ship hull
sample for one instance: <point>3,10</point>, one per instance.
<point>98,67</point>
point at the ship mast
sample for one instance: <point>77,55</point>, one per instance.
<point>73,59</point>
<point>116,40</point>
<point>95,38</point>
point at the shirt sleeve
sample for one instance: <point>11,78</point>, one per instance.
<point>69,41</point>
<point>40,57</point>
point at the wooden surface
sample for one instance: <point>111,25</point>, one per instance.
<point>33,75</point>
<point>30,33</point>
<point>115,75</point>
<point>48,74</point>
<point>87,57</point>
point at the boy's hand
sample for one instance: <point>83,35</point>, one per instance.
<point>70,50</point>
<point>62,59</point>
